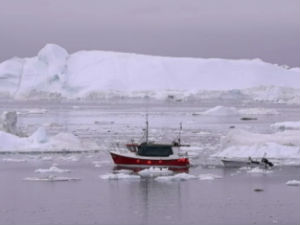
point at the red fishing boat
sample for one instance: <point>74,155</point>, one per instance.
<point>150,154</point>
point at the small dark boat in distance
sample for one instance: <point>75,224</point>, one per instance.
<point>150,154</point>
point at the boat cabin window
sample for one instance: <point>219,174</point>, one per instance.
<point>155,150</point>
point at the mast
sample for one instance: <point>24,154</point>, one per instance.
<point>147,128</point>
<point>179,135</point>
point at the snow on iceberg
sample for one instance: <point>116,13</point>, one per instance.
<point>54,73</point>
<point>39,141</point>
<point>288,125</point>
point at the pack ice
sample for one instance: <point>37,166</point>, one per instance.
<point>54,73</point>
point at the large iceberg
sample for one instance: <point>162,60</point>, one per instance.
<point>39,141</point>
<point>54,73</point>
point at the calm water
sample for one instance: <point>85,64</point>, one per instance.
<point>92,200</point>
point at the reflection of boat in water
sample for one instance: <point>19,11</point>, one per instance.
<point>149,154</point>
<point>234,162</point>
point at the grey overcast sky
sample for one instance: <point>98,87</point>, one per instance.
<point>266,29</point>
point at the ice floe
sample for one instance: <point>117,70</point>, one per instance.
<point>51,178</point>
<point>233,111</point>
<point>257,170</point>
<point>119,176</point>
<point>209,176</point>
<point>14,160</point>
<point>280,147</point>
<point>293,183</point>
<point>176,177</point>
<point>155,171</point>
<point>52,169</point>
<point>221,111</point>
<point>287,125</point>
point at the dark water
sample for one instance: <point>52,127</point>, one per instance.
<point>229,200</point>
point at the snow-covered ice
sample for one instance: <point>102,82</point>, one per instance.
<point>221,111</point>
<point>54,73</point>
<point>233,111</point>
<point>120,176</point>
<point>51,178</point>
<point>208,176</point>
<point>287,125</point>
<point>14,160</point>
<point>257,170</point>
<point>52,169</point>
<point>155,171</point>
<point>40,141</point>
<point>176,177</point>
<point>293,183</point>
<point>283,147</point>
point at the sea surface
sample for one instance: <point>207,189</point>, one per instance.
<point>227,196</point>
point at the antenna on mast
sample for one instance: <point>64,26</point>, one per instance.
<point>147,128</point>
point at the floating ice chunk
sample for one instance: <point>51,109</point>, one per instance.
<point>221,111</point>
<point>72,158</point>
<point>101,163</point>
<point>288,125</point>
<point>39,136</point>
<point>258,111</point>
<point>52,169</point>
<point>51,178</point>
<point>257,170</point>
<point>155,171</point>
<point>13,160</point>
<point>176,177</point>
<point>209,176</point>
<point>293,183</point>
<point>119,176</point>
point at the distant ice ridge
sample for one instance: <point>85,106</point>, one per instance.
<point>54,73</point>
<point>39,141</point>
<point>232,111</point>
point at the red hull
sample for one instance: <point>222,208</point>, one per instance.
<point>123,160</point>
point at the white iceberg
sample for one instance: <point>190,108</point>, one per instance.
<point>39,141</point>
<point>280,147</point>
<point>54,73</point>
